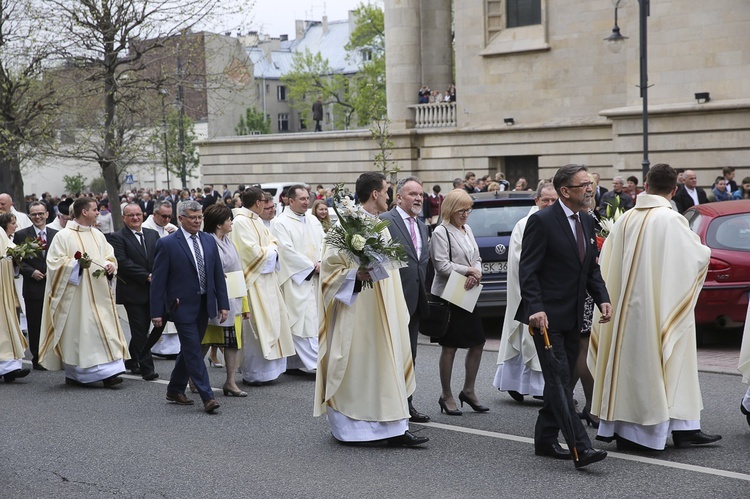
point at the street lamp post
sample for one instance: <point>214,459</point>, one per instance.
<point>615,41</point>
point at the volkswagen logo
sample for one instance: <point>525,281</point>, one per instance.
<point>500,249</point>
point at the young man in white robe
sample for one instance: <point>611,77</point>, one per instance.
<point>80,329</point>
<point>365,368</point>
<point>645,361</point>
<point>300,242</point>
<point>12,343</point>
<point>744,367</point>
<point>518,369</point>
<point>266,337</point>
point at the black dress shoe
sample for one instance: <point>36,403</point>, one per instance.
<point>111,381</point>
<point>18,373</point>
<point>408,439</point>
<point>150,376</point>
<point>515,395</point>
<point>75,382</point>
<point>551,450</point>
<point>694,437</point>
<point>745,412</point>
<point>417,417</point>
<point>590,456</point>
<point>39,367</point>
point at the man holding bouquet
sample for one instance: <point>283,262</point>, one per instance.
<point>360,407</point>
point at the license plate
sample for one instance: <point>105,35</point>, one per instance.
<point>494,267</point>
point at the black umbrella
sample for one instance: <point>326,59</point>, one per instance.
<point>558,396</point>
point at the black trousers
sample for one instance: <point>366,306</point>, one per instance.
<point>565,349</point>
<point>34,325</point>
<point>139,318</point>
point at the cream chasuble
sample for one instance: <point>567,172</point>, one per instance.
<point>518,365</point>
<point>79,322</point>
<point>300,247</point>
<point>744,365</point>
<point>644,361</point>
<point>269,320</point>
<point>12,343</point>
<point>365,369</point>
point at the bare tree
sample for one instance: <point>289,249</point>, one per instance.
<point>109,41</point>
<point>28,107</point>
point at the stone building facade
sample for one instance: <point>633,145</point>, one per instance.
<point>570,99</point>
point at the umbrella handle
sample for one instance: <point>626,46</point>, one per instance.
<point>545,336</point>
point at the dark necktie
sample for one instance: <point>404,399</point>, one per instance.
<point>142,241</point>
<point>579,237</point>
<point>201,263</point>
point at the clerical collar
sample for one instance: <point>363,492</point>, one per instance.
<point>298,216</point>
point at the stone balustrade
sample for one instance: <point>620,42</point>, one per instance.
<point>435,115</point>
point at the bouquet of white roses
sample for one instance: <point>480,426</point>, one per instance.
<point>360,237</point>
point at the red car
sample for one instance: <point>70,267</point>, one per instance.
<point>725,228</point>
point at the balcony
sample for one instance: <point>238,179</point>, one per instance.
<point>440,115</point>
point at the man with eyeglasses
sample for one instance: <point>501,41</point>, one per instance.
<point>134,247</point>
<point>160,219</point>
<point>34,272</point>
<point>269,210</point>
<point>557,267</point>
<point>80,329</point>
<point>188,288</point>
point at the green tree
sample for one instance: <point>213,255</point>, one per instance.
<point>74,183</point>
<point>174,163</point>
<point>368,40</point>
<point>98,185</point>
<point>253,121</point>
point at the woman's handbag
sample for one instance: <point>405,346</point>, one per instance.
<point>437,320</point>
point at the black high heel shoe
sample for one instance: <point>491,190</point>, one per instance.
<point>590,421</point>
<point>476,407</point>
<point>444,408</point>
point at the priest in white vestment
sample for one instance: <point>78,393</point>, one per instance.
<point>80,329</point>
<point>266,337</point>
<point>12,342</point>
<point>518,369</point>
<point>645,361</point>
<point>300,241</point>
<point>744,366</point>
<point>365,368</point>
<point>168,344</point>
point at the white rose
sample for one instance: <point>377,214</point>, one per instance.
<point>358,242</point>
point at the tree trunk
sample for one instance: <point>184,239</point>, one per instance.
<point>11,180</point>
<point>109,172</point>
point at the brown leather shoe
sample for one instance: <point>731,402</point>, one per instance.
<point>210,406</point>
<point>179,399</point>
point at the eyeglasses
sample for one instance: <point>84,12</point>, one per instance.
<point>584,185</point>
<point>464,212</point>
<point>194,218</point>
<point>38,214</point>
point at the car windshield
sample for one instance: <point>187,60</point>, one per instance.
<point>493,221</point>
<point>730,232</point>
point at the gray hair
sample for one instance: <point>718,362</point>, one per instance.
<point>457,181</point>
<point>163,202</point>
<point>544,184</point>
<point>184,206</point>
<point>619,179</point>
<point>403,181</point>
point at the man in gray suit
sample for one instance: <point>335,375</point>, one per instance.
<point>407,229</point>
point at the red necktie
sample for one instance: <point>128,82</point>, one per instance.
<point>579,237</point>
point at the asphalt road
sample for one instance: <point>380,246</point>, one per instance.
<point>67,442</point>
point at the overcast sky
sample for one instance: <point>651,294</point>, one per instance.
<point>276,17</point>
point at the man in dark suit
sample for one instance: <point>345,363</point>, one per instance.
<point>34,271</point>
<point>558,266</point>
<point>134,248</point>
<point>411,232</point>
<point>188,285</point>
<point>146,204</point>
<point>689,194</point>
<point>600,190</point>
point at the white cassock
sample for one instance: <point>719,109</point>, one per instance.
<point>169,343</point>
<point>80,330</point>
<point>518,367</point>
<point>266,337</point>
<point>645,360</point>
<point>744,365</point>
<point>12,343</point>
<point>365,369</point>
<point>300,240</point>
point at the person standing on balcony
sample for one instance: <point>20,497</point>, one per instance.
<point>317,109</point>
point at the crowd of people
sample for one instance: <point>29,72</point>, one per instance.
<point>204,270</point>
<point>428,96</point>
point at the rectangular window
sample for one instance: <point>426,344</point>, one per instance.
<point>281,93</point>
<point>302,124</point>
<point>523,13</point>
<point>283,122</point>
